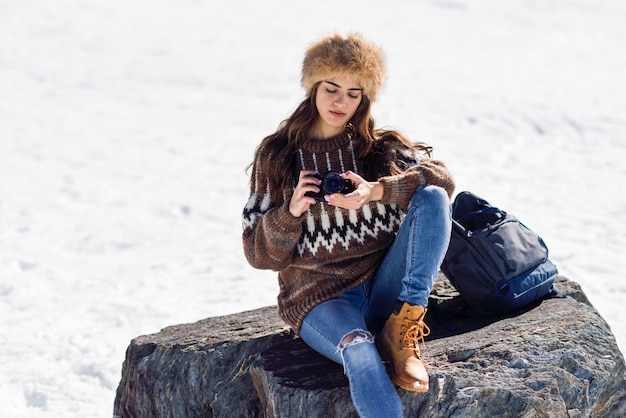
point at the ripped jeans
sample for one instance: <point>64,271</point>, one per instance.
<point>407,273</point>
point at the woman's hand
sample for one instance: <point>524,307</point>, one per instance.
<point>365,192</point>
<point>299,203</point>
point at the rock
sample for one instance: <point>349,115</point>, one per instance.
<point>557,359</point>
<point>198,369</point>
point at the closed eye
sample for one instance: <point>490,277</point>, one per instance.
<point>332,88</point>
<point>350,94</point>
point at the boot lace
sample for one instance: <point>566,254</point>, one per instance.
<point>413,335</point>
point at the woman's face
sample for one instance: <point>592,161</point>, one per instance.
<point>337,99</point>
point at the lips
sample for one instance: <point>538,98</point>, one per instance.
<point>337,114</point>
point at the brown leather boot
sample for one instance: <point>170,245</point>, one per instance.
<point>398,344</point>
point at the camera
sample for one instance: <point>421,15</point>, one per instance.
<point>332,182</point>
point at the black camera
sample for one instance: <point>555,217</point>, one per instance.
<point>332,182</point>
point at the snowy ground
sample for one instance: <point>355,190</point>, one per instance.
<point>125,128</point>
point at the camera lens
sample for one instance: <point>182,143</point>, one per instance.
<point>333,183</point>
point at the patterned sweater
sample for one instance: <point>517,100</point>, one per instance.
<point>328,250</point>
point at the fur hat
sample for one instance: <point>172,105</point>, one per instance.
<point>350,55</point>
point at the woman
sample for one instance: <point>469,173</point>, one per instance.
<point>356,252</point>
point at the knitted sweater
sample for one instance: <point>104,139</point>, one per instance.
<point>328,250</point>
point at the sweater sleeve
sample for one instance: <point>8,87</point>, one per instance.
<point>270,231</point>
<point>400,188</point>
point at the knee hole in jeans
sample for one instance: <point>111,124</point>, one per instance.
<point>352,338</point>
<point>356,337</point>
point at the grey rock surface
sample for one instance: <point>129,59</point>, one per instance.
<point>557,358</point>
<point>198,369</point>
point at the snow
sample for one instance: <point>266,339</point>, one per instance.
<point>125,129</point>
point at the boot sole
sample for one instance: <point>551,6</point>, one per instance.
<point>406,386</point>
<point>387,358</point>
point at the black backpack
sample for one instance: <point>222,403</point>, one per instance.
<point>497,264</point>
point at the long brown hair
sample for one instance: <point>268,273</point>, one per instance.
<point>275,157</point>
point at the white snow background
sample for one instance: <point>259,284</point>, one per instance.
<point>125,128</point>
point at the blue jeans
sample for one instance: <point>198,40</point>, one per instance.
<point>407,273</point>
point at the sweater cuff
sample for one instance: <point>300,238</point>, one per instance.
<point>400,188</point>
<point>285,221</point>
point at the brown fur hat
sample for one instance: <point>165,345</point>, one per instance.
<point>350,55</point>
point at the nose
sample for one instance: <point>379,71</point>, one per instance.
<point>341,99</point>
